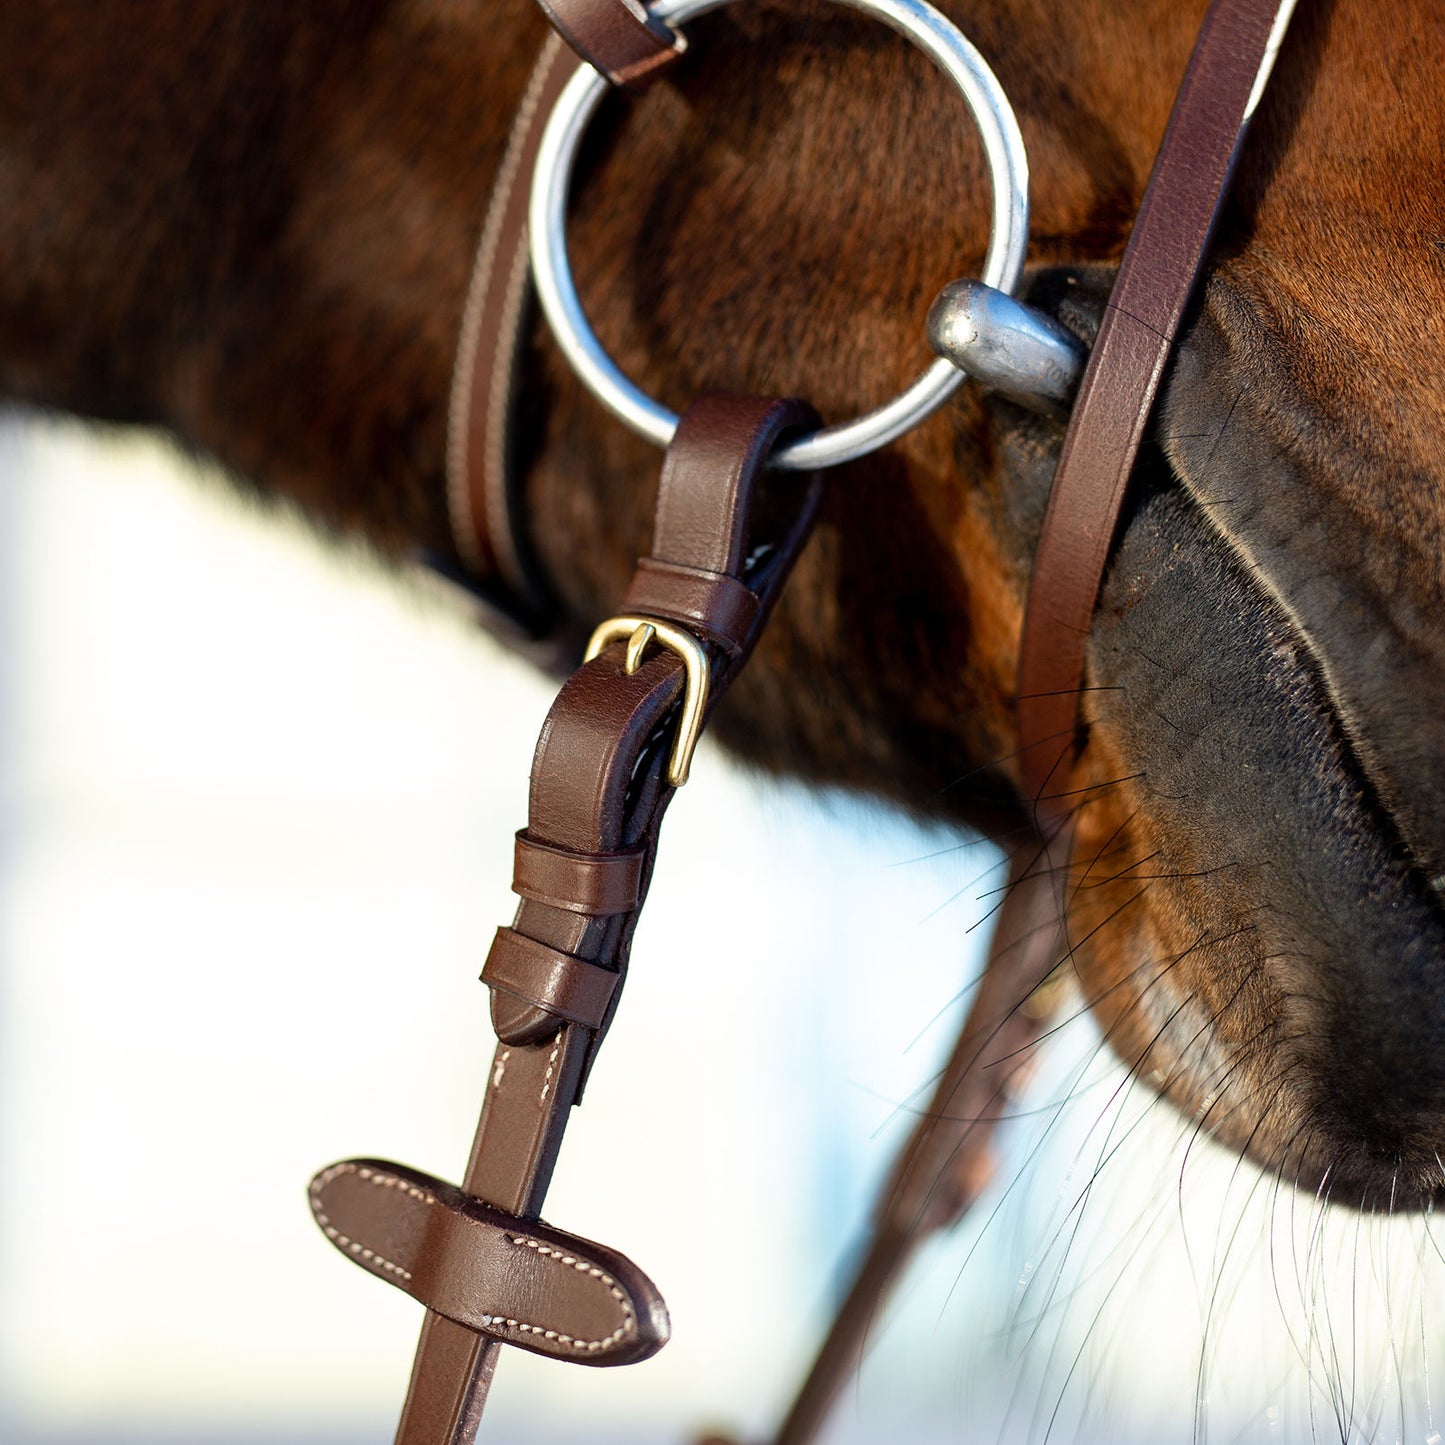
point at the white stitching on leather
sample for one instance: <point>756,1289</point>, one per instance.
<point>551,1067</point>
<point>412,1191</point>
<point>629,1318</point>
<point>459,498</point>
<point>500,1069</point>
<point>383,1181</point>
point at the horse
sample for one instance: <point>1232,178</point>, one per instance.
<point>268,259</point>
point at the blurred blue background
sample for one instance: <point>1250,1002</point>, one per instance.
<point>258,800</point>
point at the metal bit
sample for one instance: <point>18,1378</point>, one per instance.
<point>1010,348</point>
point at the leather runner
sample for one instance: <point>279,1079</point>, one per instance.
<point>948,1160</point>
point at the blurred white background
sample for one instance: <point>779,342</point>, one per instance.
<point>256,806</point>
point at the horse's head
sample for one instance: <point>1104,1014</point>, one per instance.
<point>1255,892</point>
<point>1268,722</point>
<point>1254,897</point>
<point>1267,716</point>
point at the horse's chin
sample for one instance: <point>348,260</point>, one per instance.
<point>1256,928</point>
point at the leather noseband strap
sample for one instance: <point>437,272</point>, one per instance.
<point>1227,73</point>
<point>939,1170</point>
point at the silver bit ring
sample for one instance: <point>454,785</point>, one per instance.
<point>1003,146</point>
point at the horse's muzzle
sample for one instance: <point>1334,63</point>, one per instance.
<point>1253,882</point>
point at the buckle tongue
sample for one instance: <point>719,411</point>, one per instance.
<point>640,633</point>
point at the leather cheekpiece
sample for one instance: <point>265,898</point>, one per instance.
<point>600,788</point>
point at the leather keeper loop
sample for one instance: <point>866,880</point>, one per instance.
<point>597,884</point>
<point>720,607</point>
<point>628,49</point>
<point>551,988</point>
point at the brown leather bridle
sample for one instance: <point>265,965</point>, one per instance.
<point>488,1270</point>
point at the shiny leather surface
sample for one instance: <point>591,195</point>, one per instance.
<point>599,791</point>
<point>714,605</point>
<point>536,988</point>
<point>596,883</point>
<point>1156,278</point>
<point>629,51</point>
<point>537,1288</point>
<point>482,486</point>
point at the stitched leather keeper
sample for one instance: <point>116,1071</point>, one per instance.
<point>517,1280</point>
<point>720,607</point>
<point>628,49</point>
<point>597,884</point>
<point>535,989</point>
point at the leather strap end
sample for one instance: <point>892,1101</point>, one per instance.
<point>511,1279</point>
<point>623,42</point>
<point>536,989</point>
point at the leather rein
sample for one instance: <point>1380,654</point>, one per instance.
<point>617,741</point>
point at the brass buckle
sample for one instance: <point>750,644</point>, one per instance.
<point>640,631</point>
